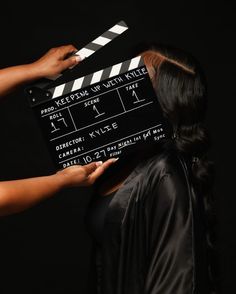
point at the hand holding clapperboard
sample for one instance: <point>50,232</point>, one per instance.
<point>102,115</point>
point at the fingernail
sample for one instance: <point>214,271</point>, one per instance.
<point>77,58</point>
<point>99,163</point>
<point>115,159</point>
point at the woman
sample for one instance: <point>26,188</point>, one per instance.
<point>148,218</point>
<point>19,195</point>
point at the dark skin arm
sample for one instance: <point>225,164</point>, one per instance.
<point>50,64</point>
<point>18,195</point>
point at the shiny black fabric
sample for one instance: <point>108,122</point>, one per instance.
<point>154,238</point>
<point>96,216</point>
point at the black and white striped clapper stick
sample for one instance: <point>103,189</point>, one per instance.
<point>102,40</point>
<point>96,77</point>
<point>99,42</point>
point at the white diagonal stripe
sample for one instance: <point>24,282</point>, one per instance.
<point>84,52</point>
<point>115,70</point>
<point>118,29</point>
<point>101,41</point>
<point>58,91</point>
<point>96,76</point>
<point>134,62</point>
<point>77,84</point>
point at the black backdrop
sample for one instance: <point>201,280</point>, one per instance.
<point>47,249</point>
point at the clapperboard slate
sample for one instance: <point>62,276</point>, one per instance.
<point>102,115</point>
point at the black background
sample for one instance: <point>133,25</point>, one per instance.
<point>47,249</point>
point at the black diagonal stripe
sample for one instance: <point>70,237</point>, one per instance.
<point>93,46</point>
<point>125,66</point>
<point>68,87</point>
<point>109,35</point>
<point>106,73</point>
<point>87,81</point>
<point>52,90</point>
<point>141,62</point>
<point>123,24</point>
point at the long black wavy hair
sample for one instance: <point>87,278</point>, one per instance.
<point>181,88</point>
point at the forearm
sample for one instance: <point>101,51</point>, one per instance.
<point>18,195</point>
<point>50,64</point>
<point>15,76</point>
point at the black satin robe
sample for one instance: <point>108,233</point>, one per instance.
<point>154,234</point>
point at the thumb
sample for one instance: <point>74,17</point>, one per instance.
<point>71,62</point>
<point>101,169</point>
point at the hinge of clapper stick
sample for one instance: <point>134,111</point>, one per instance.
<point>39,89</point>
<point>96,77</point>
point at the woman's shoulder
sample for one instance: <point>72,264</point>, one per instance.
<point>165,176</point>
<point>165,162</point>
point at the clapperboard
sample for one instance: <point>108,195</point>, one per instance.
<point>101,115</point>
